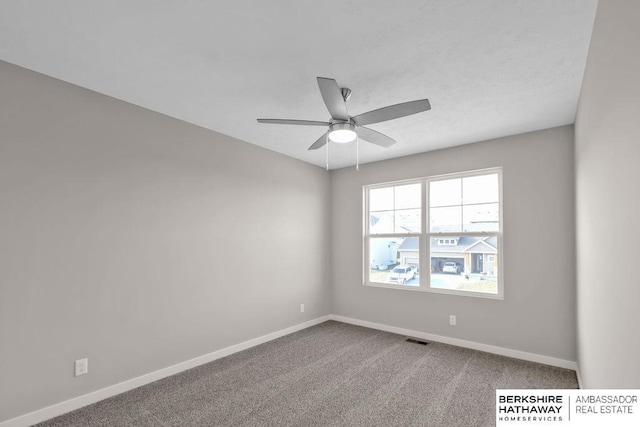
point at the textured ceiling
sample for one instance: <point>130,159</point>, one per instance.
<point>490,68</point>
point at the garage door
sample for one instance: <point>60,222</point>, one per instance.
<point>414,262</point>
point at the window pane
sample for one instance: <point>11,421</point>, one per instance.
<point>394,261</point>
<point>408,221</point>
<point>383,256</point>
<point>444,220</point>
<point>381,222</point>
<point>408,196</point>
<point>480,189</point>
<point>381,199</point>
<point>445,193</point>
<point>395,209</point>
<point>481,217</point>
<point>471,265</point>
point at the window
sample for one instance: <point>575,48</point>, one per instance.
<point>394,224</point>
<point>449,228</point>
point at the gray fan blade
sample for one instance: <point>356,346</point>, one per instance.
<point>320,142</point>
<point>333,98</point>
<point>392,112</point>
<point>293,122</point>
<point>374,137</point>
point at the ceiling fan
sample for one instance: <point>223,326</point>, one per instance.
<point>342,127</point>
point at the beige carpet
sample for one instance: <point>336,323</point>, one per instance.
<point>332,374</point>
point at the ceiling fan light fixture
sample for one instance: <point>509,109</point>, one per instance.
<point>342,132</point>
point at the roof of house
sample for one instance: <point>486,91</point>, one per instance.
<point>409,244</point>
<point>482,246</point>
<point>384,224</point>
<point>472,227</point>
<point>464,244</point>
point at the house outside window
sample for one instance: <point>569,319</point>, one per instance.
<point>447,241</point>
<point>447,228</point>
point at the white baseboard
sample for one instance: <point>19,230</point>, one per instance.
<point>517,354</point>
<point>93,397</point>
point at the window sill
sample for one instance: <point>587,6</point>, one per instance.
<point>419,288</point>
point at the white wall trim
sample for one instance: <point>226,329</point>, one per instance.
<point>580,383</point>
<point>517,354</point>
<point>113,390</point>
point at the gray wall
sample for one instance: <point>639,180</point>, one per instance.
<point>538,312</point>
<point>608,201</point>
<point>140,241</point>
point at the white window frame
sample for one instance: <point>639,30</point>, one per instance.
<point>425,235</point>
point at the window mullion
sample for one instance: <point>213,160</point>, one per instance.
<point>425,244</point>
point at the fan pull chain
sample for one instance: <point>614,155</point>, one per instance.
<point>357,153</point>
<point>327,152</point>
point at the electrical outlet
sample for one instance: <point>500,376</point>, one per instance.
<point>452,320</point>
<point>301,308</point>
<point>82,367</point>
